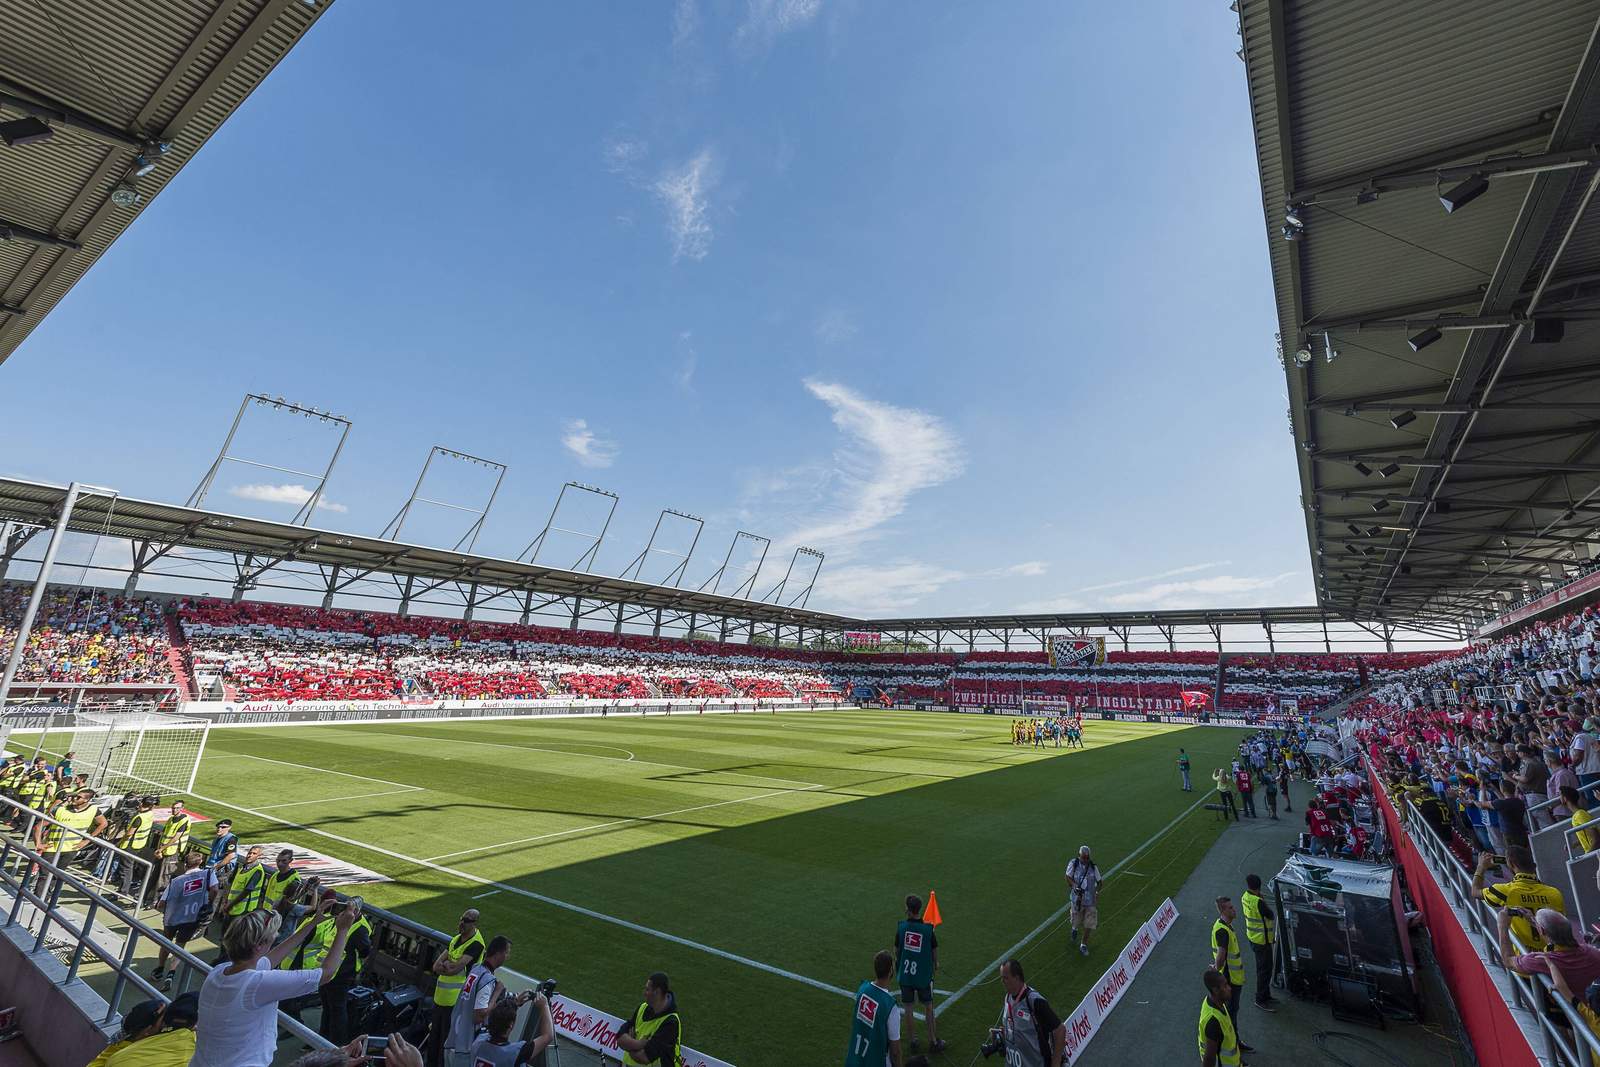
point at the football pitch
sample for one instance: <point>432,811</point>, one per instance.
<point>760,860</point>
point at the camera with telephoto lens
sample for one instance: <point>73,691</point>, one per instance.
<point>547,988</point>
<point>996,1042</point>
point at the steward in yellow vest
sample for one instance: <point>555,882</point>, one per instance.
<point>1219,1042</point>
<point>1261,929</point>
<point>1225,944</point>
<point>249,886</point>
<point>78,815</point>
<point>175,833</point>
<point>284,880</point>
<point>654,1033</point>
<point>452,964</point>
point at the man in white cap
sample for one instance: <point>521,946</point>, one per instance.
<point>1083,882</point>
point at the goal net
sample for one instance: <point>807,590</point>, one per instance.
<point>125,750</point>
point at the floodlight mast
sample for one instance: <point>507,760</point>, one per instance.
<point>303,515</point>
<point>469,539</point>
<point>587,559</point>
<point>676,574</point>
<point>800,598</point>
<point>715,581</point>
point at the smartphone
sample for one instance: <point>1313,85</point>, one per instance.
<point>376,1049</point>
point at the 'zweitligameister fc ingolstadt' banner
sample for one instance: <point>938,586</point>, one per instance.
<point>1077,651</point>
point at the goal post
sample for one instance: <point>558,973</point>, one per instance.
<point>120,748</point>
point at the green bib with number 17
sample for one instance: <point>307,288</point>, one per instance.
<point>869,1032</point>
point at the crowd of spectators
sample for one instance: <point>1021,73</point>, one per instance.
<point>1491,745</point>
<point>87,636</point>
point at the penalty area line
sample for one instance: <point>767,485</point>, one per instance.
<point>1056,915</point>
<point>579,909</point>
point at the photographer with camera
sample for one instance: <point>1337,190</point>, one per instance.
<point>498,1050</point>
<point>482,991</point>
<point>1030,1032</point>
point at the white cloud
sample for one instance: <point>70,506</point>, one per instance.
<point>860,589</point>
<point>888,454</point>
<point>767,20</point>
<point>1197,592</point>
<point>1173,573</point>
<point>282,494</point>
<point>683,191</point>
<point>836,326</point>
<point>589,448</point>
<point>685,21</point>
<point>622,154</point>
<point>1032,568</point>
<point>688,360</point>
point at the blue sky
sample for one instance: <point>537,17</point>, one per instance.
<point>977,306</point>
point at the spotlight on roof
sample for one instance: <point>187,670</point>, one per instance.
<point>1363,470</point>
<point>1366,196</point>
<point>1422,340</point>
<point>1293,216</point>
<point>1292,233</point>
<point>1302,355</point>
<point>1374,531</point>
<point>146,161</point>
<point>1461,195</point>
<point>27,130</point>
<point>1381,504</point>
<point>1389,470</point>
<point>125,194</point>
<point>1547,331</point>
<point>1402,418</point>
<point>1353,528</point>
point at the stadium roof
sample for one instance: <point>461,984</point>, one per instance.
<point>1443,392</point>
<point>259,546</point>
<point>91,93</point>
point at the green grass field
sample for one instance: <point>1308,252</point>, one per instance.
<point>760,860</point>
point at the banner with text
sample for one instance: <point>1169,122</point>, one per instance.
<point>1085,1022</point>
<point>593,1028</point>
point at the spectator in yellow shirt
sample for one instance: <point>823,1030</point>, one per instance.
<point>1522,896</point>
<point>1588,840</point>
<point>154,1035</point>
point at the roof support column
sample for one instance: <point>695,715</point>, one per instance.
<point>405,598</point>
<point>332,586</point>
<point>472,602</point>
<point>15,541</point>
<point>577,609</point>
<point>527,607</point>
<point>655,631</point>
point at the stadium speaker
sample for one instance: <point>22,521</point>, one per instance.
<point>1402,418</point>
<point>1422,340</point>
<point>1459,196</point>
<point>27,130</point>
<point>1354,1000</point>
<point>1363,470</point>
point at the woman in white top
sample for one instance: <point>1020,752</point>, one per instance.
<point>239,1003</point>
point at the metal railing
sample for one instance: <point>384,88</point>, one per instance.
<point>1571,1045</point>
<point>54,924</point>
<point>110,860</point>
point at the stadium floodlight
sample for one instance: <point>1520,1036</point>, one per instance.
<point>1422,340</point>
<point>1389,470</point>
<point>1459,196</point>
<point>1293,216</point>
<point>1402,418</point>
<point>1292,233</point>
<point>147,160</point>
<point>125,194</point>
<point>26,130</point>
<point>1363,470</point>
<point>1302,355</point>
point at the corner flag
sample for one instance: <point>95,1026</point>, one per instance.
<point>930,914</point>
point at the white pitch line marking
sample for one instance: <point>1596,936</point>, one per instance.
<point>309,767</point>
<point>1056,915</point>
<point>540,897</point>
<point>621,822</point>
<point>490,893</point>
<point>335,800</point>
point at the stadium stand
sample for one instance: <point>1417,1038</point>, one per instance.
<point>86,636</point>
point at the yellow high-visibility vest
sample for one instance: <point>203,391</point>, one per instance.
<point>447,987</point>
<point>1259,929</point>
<point>1228,1047</point>
<point>1235,962</point>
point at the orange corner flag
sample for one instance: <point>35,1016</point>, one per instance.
<point>930,914</point>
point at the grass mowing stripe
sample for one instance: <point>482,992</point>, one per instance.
<point>540,897</point>
<point>335,800</point>
<point>308,767</point>
<point>624,822</point>
<point>972,983</point>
